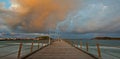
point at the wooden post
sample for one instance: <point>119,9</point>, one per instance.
<point>19,51</point>
<point>49,40</point>
<point>42,45</point>
<point>32,47</point>
<point>38,45</point>
<point>73,43</point>
<point>86,46</point>
<point>81,44</point>
<point>99,52</point>
<point>77,43</point>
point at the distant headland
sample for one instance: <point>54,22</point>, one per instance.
<point>106,38</point>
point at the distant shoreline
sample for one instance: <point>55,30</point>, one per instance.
<point>105,38</point>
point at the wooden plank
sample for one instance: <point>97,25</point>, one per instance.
<point>60,50</point>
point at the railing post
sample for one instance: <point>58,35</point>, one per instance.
<point>31,47</point>
<point>41,43</point>
<point>73,43</point>
<point>99,52</point>
<point>49,40</point>
<point>19,51</point>
<point>77,44</point>
<point>81,44</point>
<point>38,45</point>
<point>87,47</point>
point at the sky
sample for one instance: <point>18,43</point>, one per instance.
<point>6,2</point>
<point>71,18</point>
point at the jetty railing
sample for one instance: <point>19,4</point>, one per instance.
<point>17,49</point>
<point>99,50</point>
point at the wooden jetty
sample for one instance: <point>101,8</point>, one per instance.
<point>59,50</point>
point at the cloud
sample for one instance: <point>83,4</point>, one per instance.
<point>37,15</point>
<point>74,16</point>
<point>3,26</point>
<point>99,17</point>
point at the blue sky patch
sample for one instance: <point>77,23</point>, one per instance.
<point>7,3</point>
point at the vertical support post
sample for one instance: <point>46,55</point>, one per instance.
<point>38,45</point>
<point>87,47</point>
<point>32,47</point>
<point>73,43</point>
<point>19,51</point>
<point>76,43</point>
<point>99,52</point>
<point>81,44</point>
<point>49,40</point>
<point>45,43</point>
<point>41,43</point>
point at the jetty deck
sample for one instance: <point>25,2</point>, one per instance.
<point>59,50</point>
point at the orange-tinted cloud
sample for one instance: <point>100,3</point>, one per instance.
<point>39,15</point>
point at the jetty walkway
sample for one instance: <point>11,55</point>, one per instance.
<point>59,50</point>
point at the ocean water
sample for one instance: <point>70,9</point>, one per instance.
<point>110,49</point>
